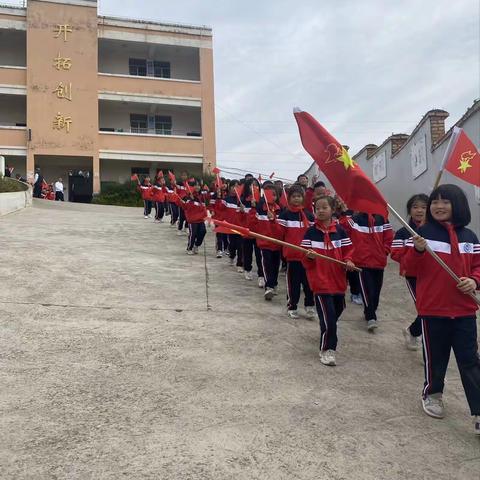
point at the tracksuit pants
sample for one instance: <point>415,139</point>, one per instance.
<point>271,265</point>
<point>296,279</point>
<point>174,213</point>
<point>354,282</point>
<point>222,242</point>
<point>182,221</point>
<point>440,335</point>
<point>235,248</point>
<point>249,248</point>
<point>196,234</point>
<point>147,207</point>
<point>159,210</point>
<point>416,326</point>
<point>371,281</point>
<point>329,309</point>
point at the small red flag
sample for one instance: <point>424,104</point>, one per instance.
<point>256,193</point>
<point>216,171</point>
<point>172,178</point>
<point>160,174</point>
<point>269,195</point>
<point>134,177</point>
<point>463,160</point>
<point>271,175</point>
<point>239,191</point>
<point>346,177</point>
<point>284,199</point>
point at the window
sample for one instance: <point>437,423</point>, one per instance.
<point>138,123</point>
<point>163,125</point>
<point>137,66</point>
<point>141,171</point>
<point>161,69</point>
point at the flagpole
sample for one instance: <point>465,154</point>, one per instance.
<point>238,229</point>
<point>431,252</point>
<point>445,157</point>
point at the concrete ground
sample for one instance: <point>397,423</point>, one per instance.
<point>121,357</point>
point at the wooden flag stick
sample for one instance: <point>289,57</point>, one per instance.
<point>431,252</point>
<point>245,231</point>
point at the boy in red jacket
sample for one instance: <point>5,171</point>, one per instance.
<point>327,279</point>
<point>195,214</point>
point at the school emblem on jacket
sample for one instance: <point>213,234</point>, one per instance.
<point>467,248</point>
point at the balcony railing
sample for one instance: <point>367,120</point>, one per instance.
<point>153,131</point>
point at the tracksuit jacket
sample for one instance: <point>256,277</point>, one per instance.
<point>259,222</point>
<point>325,277</point>
<point>195,210</point>
<point>400,248</point>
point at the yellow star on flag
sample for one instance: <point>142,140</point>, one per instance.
<point>345,158</point>
<point>465,161</point>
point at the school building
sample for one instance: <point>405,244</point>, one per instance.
<point>404,165</point>
<point>99,98</point>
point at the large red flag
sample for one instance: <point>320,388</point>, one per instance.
<point>464,160</point>
<point>346,177</point>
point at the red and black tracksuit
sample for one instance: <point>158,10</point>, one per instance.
<point>250,246</point>
<point>195,214</point>
<point>146,193</point>
<point>259,222</point>
<point>229,209</point>
<point>398,253</point>
<point>327,279</point>
<point>448,315</point>
<point>372,238</point>
<point>158,197</point>
<point>182,193</point>
<point>292,225</point>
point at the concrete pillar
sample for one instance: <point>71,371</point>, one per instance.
<point>30,166</point>
<point>2,166</point>
<point>96,174</point>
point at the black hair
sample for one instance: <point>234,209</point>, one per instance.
<point>233,183</point>
<point>296,189</point>
<point>329,199</point>
<point>300,176</point>
<point>248,175</point>
<point>319,184</point>
<point>418,197</point>
<point>247,192</point>
<point>461,215</point>
<point>267,183</point>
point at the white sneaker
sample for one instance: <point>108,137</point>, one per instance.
<point>410,341</point>
<point>219,254</point>
<point>240,269</point>
<point>356,299</point>
<point>149,216</point>
<point>195,250</point>
<point>145,216</point>
<point>261,282</point>
<point>275,291</point>
<point>268,295</point>
<point>179,233</point>
<point>293,314</point>
<point>190,252</point>
<point>433,405</point>
<point>248,276</point>
<point>327,357</point>
<point>476,425</point>
<point>372,325</point>
<point>310,313</point>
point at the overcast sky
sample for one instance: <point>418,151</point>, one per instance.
<point>365,69</point>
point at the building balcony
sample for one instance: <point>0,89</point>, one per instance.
<point>13,137</point>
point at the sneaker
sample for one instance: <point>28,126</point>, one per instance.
<point>190,252</point>
<point>433,405</point>
<point>248,276</point>
<point>160,220</point>
<point>173,225</point>
<point>410,341</point>
<point>240,269</point>
<point>356,299</point>
<point>372,325</point>
<point>184,232</point>
<point>149,216</point>
<point>476,425</point>
<point>145,216</point>
<point>232,262</point>
<point>293,314</point>
<point>275,291</point>
<point>195,250</point>
<point>310,313</point>
<point>219,254</point>
<point>268,295</point>
<point>179,233</point>
<point>327,357</point>
<point>261,282</point>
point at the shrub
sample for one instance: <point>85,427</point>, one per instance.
<point>9,185</point>
<point>120,194</point>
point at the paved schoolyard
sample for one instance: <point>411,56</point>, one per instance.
<point>121,357</point>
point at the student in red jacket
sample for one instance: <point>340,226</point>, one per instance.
<point>260,220</point>
<point>195,215</point>
<point>327,279</point>
<point>181,190</point>
<point>145,189</point>
<point>292,223</point>
<point>158,197</point>
<point>417,211</point>
<point>372,237</point>
<point>447,310</point>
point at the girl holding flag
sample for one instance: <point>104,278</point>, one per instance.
<point>145,189</point>
<point>447,310</point>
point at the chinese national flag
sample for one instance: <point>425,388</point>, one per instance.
<point>464,160</point>
<point>172,178</point>
<point>346,177</point>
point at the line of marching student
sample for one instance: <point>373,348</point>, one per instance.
<point>312,218</point>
